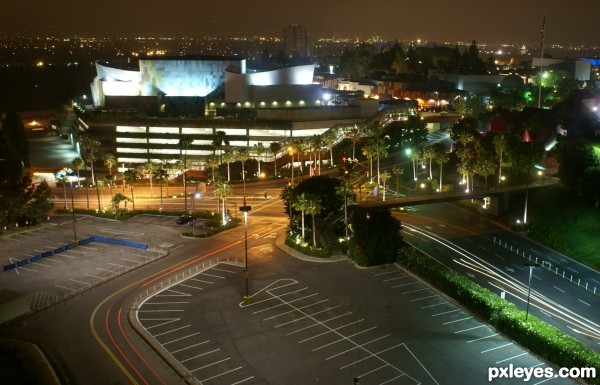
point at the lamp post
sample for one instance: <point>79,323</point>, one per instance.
<point>531,267</point>
<point>245,209</point>
<point>75,241</point>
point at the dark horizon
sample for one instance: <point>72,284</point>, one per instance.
<point>509,21</point>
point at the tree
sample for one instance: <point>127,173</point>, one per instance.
<point>441,157</point>
<point>184,146</point>
<point>500,144</point>
<point>384,177</point>
<point>109,161</point>
<point>300,203</point>
<point>355,134</point>
<point>223,191</point>
<point>219,141</point>
<point>376,237</point>
<point>329,139</point>
<point>275,147</point>
<point>259,150</point>
<point>77,164</point>
<point>346,191</point>
<point>228,157</point>
<point>242,155</point>
<point>89,145</point>
<point>314,208</point>
<point>148,169</point>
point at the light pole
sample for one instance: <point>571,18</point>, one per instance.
<point>531,266</point>
<point>246,209</point>
<point>75,242</point>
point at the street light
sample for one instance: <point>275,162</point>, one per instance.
<point>246,209</point>
<point>531,267</point>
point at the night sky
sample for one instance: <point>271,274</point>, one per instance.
<point>567,22</point>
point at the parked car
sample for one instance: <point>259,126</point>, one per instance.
<point>182,220</point>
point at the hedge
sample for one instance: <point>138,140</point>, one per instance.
<point>540,338</point>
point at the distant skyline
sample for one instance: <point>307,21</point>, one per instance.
<point>567,22</point>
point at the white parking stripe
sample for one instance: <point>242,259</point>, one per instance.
<point>343,338</point>
<point>510,358</point>
<point>219,375</point>
<point>182,338</point>
<point>482,338</point>
<point>317,324</point>
<point>457,320</point>
<point>283,303</point>
<point>357,346</point>
<point>466,330</point>
<point>199,355</point>
<point>306,316</point>
<point>497,347</point>
<point>295,309</point>
<point>189,347</point>
<point>329,331</point>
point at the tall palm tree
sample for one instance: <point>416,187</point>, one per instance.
<point>219,141</point>
<point>275,147</point>
<point>428,153</point>
<point>300,203</point>
<point>354,133</point>
<point>329,139</point>
<point>345,191</point>
<point>184,146</point>
<point>384,176</point>
<point>368,151</point>
<point>77,164</point>
<point>148,169</point>
<point>313,208</point>
<point>109,161</point>
<point>441,157</point>
<point>223,191</point>
<point>500,145</point>
<point>379,147</point>
<point>229,157</point>
<point>259,150</point>
<point>213,163</point>
<point>241,154</point>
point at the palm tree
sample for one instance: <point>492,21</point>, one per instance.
<point>345,191</point>
<point>379,148</point>
<point>441,157</point>
<point>259,150</point>
<point>162,175</point>
<point>213,163</point>
<point>223,191</point>
<point>241,154</point>
<point>428,154</point>
<point>228,157</point>
<point>500,145</point>
<point>368,151</point>
<point>148,169</point>
<point>354,133</point>
<point>275,147</point>
<point>184,145</point>
<point>110,161</point>
<point>384,177</point>
<point>77,164</point>
<point>300,203</point>
<point>220,140</point>
<point>313,208</point>
<point>329,139</point>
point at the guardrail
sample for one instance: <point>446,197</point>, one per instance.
<point>550,267</point>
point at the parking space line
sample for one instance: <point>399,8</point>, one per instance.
<point>207,365</point>
<point>344,338</point>
<point>317,324</point>
<point>110,271</point>
<point>93,276</point>
<point>40,264</point>
<point>445,312</point>
<point>330,331</point>
<point>393,279</point>
<point>435,304</point>
<point>306,316</point>
<point>244,380</point>
<point>482,338</point>
<point>164,303</point>
<point>116,264</point>
<point>27,269</point>
<point>170,331</point>
<point>179,294</point>
<point>457,320</point>
<point>466,330</point>
<point>405,284</point>
<point>497,347</point>
<point>88,247</point>
<point>283,303</point>
<point>212,275</point>
<point>200,280</point>
<point>54,260</point>
<point>189,347</point>
<point>392,379</point>
<point>357,346</point>
<point>190,286</point>
<point>422,298</point>
<point>130,260</point>
<point>296,309</point>
<point>67,256</point>
<point>220,374</point>
<point>224,270</point>
<point>387,272</point>
<point>79,282</point>
<point>414,291</point>
<point>372,371</point>
<point>182,338</point>
<point>167,321</point>
<point>510,358</point>
<point>75,251</point>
